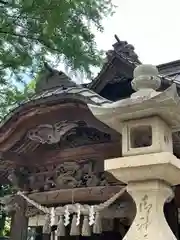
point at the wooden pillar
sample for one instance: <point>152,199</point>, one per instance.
<point>38,233</point>
<point>46,236</point>
<point>19,225</point>
<point>54,235</point>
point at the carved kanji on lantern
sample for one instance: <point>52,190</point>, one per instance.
<point>145,208</point>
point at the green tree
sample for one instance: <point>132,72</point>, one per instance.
<point>4,220</point>
<point>10,96</point>
<point>31,30</point>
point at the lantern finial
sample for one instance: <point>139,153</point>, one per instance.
<point>146,81</point>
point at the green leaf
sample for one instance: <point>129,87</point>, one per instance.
<point>27,3</point>
<point>30,30</point>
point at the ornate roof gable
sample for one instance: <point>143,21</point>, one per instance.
<point>121,61</point>
<point>124,50</point>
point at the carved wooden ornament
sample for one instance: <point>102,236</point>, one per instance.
<point>50,134</point>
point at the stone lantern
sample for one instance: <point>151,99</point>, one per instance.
<point>146,121</point>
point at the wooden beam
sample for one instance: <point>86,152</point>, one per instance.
<point>64,196</point>
<point>101,151</point>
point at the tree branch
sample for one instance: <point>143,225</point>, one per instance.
<point>40,40</point>
<point>3,2</point>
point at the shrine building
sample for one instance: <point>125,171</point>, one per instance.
<point>54,146</point>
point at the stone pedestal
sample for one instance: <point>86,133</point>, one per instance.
<point>150,222</point>
<point>149,178</point>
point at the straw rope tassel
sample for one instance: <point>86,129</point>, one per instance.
<point>75,231</point>
<point>61,231</point>
<point>47,224</point>
<point>86,229</point>
<point>97,227</point>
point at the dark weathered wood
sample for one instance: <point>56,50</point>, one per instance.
<point>94,151</point>
<point>38,233</point>
<point>104,77</point>
<point>49,159</point>
<point>36,115</point>
<point>13,131</point>
<point>46,236</point>
<point>116,65</point>
<point>19,224</point>
<point>177,196</point>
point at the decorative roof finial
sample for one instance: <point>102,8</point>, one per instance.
<point>124,49</point>
<point>47,67</point>
<point>145,82</point>
<point>51,78</point>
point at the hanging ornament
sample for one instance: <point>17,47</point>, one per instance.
<point>86,229</point>
<point>91,215</point>
<point>37,220</point>
<point>47,225</point>
<point>75,230</point>
<point>52,216</point>
<point>60,227</point>
<point>66,216</point>
<point>78,214</point>
<point>97,227</point>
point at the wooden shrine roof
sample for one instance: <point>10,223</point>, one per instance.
<point>52,141</point>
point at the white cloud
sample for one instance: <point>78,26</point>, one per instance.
<point>152,26</point>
